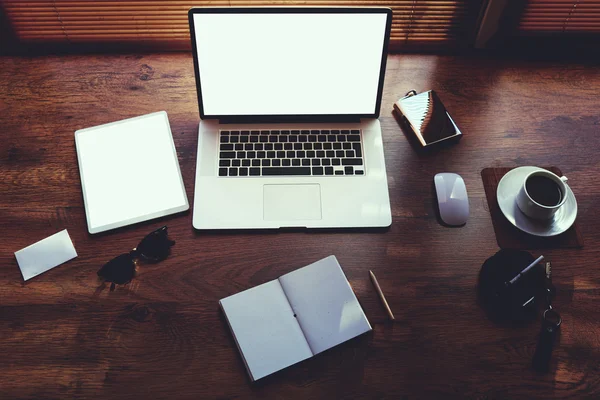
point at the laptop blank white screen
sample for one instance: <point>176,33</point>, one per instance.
<point>289,63</point>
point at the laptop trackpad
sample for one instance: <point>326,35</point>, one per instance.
<point>292,202</point>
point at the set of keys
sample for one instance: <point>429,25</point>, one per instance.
<point>550,326</point>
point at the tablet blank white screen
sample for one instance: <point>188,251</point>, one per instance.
<point>129,172</point>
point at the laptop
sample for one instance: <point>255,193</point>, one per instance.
<point>289,99</point>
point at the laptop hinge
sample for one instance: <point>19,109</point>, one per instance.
<point>289,120</point>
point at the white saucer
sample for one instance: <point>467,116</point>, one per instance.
<point>509,186</point>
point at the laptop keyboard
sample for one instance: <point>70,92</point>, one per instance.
<point>290,152</point>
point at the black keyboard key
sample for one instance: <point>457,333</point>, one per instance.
<point>296,162</point>
<point>339,172</point>
<point>248,146</point>
<point>244,139</point>
<point>241,154</point>
<point>315,131</point>
<point>224,139</point>
<point>317,170</point>
<point>286,162</point>
<point>236,133</point>
<point>281,154</point>
<point>339,153</point>
<point>301,154</point>
<point>259,146</point>
<point>328,170</point>
<point>312,138</point>
<point>251,154</point>
<point>336,161</point>
<point>320,153</point>
<point>239,147</point>
<point>233,171</point>
<point>283,138</point>
<point>288,146</point>
<point>266,162</point>
<point>253,139</point>
<point>316,162</point>
<point>327,146</point>
<point>290,154</point>
<point>243,171</point>
<point>349,153</point>
<point>285,171</point>
<point>359,172</point>
<point>254,132</point>
<point>308,146</point>
<point>303,138</point>
<point>311,154</point>
<point>341,138</point>
<point>335,131</point>
<point>305,162</point>
<point>256,162</point>
<point>331,138</point>
<point>305,132</point>
<point>261,154</point>
<point>270,154</point>
<point>352,161</point>
<point>357,149</point>
<point>224,132</point>
<point>263,139</point>
<point>276,162</point>
<point>236,163</point>
<point>269,146</point>
<point>274,132</point>
<point>347,146</point>
<point>322,138</point>
<point>293,138</point>
<point>224,163</point>
<point>295,132</point>
<point>337,146</point>
<point>285,132</point>
<point>297,146</point>
<point>245,132</point>
<point>227,154</point>
<point>353,138</point>
<point>273,139</point>
<point>234,139</point>
<point>278,146</point>
<point>265,132</point>
<point>254,171</point>
<point>318,146</point>
<point>326,161</point>
<point>349,170</point>
<point>245,163</point>
<point>226,147</point>
<point>345,132</point>
<point>330,153</point>
<point>222,171</point>
<point>355,131</point>
<point>325,131</point>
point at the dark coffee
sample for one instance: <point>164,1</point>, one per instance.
<point>543,190</point>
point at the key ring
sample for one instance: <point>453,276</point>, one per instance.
<point>551,316</point>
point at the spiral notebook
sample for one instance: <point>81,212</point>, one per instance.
<point>294,317</point>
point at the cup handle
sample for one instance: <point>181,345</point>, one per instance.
<point>564,179</point>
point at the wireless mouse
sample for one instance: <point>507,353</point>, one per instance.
<point>453,201</point>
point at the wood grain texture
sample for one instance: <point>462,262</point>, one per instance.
<point>64,335</point>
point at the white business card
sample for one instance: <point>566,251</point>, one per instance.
<point>45,254</point>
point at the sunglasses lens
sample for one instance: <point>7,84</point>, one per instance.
<point>119,270</point>
<point>156,246</point>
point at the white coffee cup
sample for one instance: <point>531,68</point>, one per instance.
<point>533,208</point>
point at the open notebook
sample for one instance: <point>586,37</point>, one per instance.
<point>290,319</point>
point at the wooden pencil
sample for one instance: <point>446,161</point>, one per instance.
<point>381,296</point>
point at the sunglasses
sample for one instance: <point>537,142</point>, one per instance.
<point>155,247</point>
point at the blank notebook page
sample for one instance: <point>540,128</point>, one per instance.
<point>265,329</point>
<point>327,309</point>
<point>129,172</point>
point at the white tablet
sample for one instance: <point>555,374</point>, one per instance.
<point>129,172</point>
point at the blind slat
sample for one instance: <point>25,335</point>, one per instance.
<point>560,17</point>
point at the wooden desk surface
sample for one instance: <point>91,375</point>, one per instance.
<point>62,335</point>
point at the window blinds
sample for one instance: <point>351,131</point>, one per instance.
<point>164,23</point>
<point>560,16</point>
